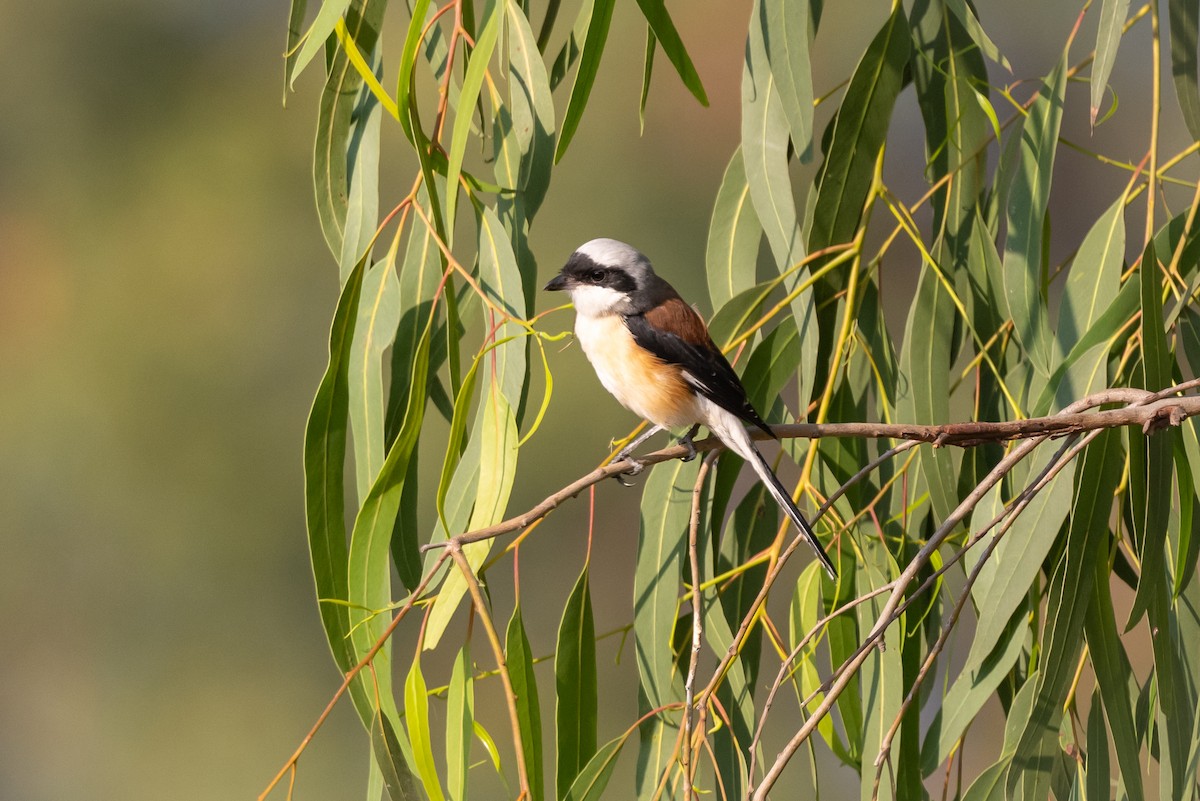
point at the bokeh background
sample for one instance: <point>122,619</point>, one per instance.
<point>165,295</point>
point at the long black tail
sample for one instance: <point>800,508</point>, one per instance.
<point>785,500</point>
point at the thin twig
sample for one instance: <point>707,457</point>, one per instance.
<point>687,754</point>
<point>510,695</point>
<point>350,674</point>
<point>1139,400</point>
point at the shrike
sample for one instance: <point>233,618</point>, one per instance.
<point>652,351</point>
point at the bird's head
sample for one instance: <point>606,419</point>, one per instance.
<point>604,277</point>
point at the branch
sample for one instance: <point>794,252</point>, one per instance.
<point>1148,409</point>
<point>1161,412</point>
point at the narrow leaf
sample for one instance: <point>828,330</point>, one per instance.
<point>520,669</point>
<point>1099,783</point>
<point>416,718</point>
<point>655,12</point>
<point>575,710</point>
<point>1103,464</point>
<point>765,136</point>
<point>734,234</point>
<point>333,153</point>
<point>1113,677</point>
<point>590,784</point>
<point>585,78</point>
<point>295,31</point>
<point>647,74</point>
<point>460,725</point>
<point>788,30</point>
<point>314,39</point>
<point>666,510</point>
<point>1108,39</point>
<point>324,462</point>
<point>393,762</point>
<point>497,471</point>
<point>1151,461</point>
<point>1028,197</point>
<point>472,84</point>
<point>1185,22</point>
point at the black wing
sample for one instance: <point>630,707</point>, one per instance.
<point>708,371</point>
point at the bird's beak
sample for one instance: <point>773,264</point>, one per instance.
<point>557,284</point>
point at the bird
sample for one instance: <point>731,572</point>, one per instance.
<point>653,353</point>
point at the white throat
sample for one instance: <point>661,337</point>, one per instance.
<point>598,301</point>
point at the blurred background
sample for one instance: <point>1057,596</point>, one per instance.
<point>165,296</point>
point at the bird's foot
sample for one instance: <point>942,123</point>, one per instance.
<point>635,467</point>
<point>686,441</point>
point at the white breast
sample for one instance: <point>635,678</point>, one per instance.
<point>638,380</point>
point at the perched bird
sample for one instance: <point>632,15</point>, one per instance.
<point>652,351</point>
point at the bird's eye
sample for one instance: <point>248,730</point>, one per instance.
<point>596,276</point>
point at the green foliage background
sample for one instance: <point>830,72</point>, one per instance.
<point>164,298</point>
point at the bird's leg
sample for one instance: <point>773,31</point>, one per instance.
<point>625,453</point>
<point>686,441</point>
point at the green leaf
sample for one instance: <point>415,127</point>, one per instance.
<point>378,316</point>
<point>749,531</point>
<point>1004,581</point>
<point>647,74</point>
<point>771,366</point>
<point>295,32</point>
<point>520,670</point>
<point>1189,495</point>
<point>1103,332</point>
<point>454,441</point>
<point>575,711</point>
<point>501,280</point>
<point>1095,276</point>
<point>882,674</point>
<point>844,638</point>
<point>393,761</point>
<point>662,549</point>
<point>1150,457</point>
<point>739,312</point>
<point>1028,197</point>
<point>990,784</point>
<point>589,65</point>
<point>968,693</point>
<point>590,784</point>
<point>1113,677</point>
<point>1103,465</point>
<point>655,12</point>
<point>765,137</point>
<point>362,202</point>
<point>369,569</point>
<point>416,718</point>
<point>925,361</point>
<point>497,470</point>
<point>788,31</point>
<point>858,134</point>
<point>314,38</point>
<point>966,17</point>
<point>420,272</point>
<point>734,234</point>
<point>460,725</point>
<point>1185,22</point>
<point>805,610</point>
<point>569,53</point>
<point>408,62</point>
<point>337,123</point>
<point>472,84</point>
<point>324,462</point>
<point>1108,39</point>
<point>1099,782</point>
<point>528,130</point>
